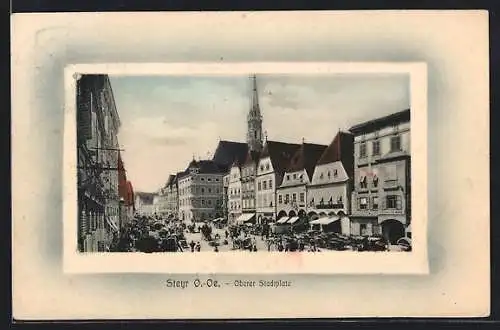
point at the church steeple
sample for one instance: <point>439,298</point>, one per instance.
<point>254,120</point>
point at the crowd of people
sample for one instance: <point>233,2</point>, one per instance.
<point>157,234</point>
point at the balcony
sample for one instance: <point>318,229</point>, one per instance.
<point>330,206</point>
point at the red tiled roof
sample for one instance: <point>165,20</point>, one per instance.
<point>280,154</point>
<point>306,158</point>
<point>252,157</point>
<point>130,200</point>
<point>227,152</point>
<point>341,149</point>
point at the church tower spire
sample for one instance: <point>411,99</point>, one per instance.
<point>254,120</point>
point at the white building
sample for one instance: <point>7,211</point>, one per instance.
<point>292,192</point>
<point>381,201</point>
<point>201,191</point>
<point>274,159</point>
<point>329,193</point>
<point>144,203</point>
<point>234,193</point>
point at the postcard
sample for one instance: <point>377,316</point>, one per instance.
<point>240,165</point>
<point>246,168</point>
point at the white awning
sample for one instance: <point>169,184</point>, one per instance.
<point>245,217</point>
<point>324,220</point>
<point>283,220</point>
<point>293,220</point>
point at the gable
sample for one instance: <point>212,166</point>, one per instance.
<point>329,173</point>
<point>265,166</point>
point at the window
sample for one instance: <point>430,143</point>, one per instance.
<point>362,150</point>
<point>202,202</point>
<point>217,190</point>
<point>264,185</point>
<point>321,176</point>
<point>339,200</point>
<point>395,143</point>
<point>375,181</point>
<point>202,179</point>
<point>362,182</point>
<point>302,195</point>
<point>259,186</point>
<point>287,198</point>
<point>295,176</point>
<point>267,166</point>
<point>363,203</point>
<point>209,202</point>
<point>328,174</point>
<point>375,203</point>
<point>294,197</point>
<point>335,173</point>
<point>288,177</point>
<point>270,184</point>
<point>202,190</point>
<point>209,190</point>
<point>216,180</point>
<point>280,199</point>
<point>363,229</point>
<point>262,167</point>
<point>209,179</point>
<point>376,148</point>
<point>393,202</point>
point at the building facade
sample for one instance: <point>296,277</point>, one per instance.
<point>234,193</point>
<point>292,192</point>
<point>144,203</point>
<point>98,124</point>
<point>329,193</point>
<point>248,175</point>
<point>225,196</point>
<point>271,166</point>
<point>201,191</point>
<point>381,201</point>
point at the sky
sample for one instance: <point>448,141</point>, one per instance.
<point>168,120</point>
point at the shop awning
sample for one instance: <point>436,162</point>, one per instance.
<point>283,220</point>
<point>324,220</point>
<point>245,217</point>
<point>293,220</point>
<point>112,224</point>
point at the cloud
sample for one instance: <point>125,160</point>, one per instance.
<point>167,120</point>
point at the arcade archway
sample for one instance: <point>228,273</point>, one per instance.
<point>392,230</point>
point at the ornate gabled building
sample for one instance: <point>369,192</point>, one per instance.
<point>381,200</point>
<point>329,193</point>
<point>248,174</point>
<point>234,192</point>
<point>273,161</point>
<point>292,192</point>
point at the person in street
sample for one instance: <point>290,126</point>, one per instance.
<point>227,234</point>
<point>216,249</point>
<point>198,247</point>
<point>192,246</point>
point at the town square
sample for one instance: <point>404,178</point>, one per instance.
<point>254,194</point>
